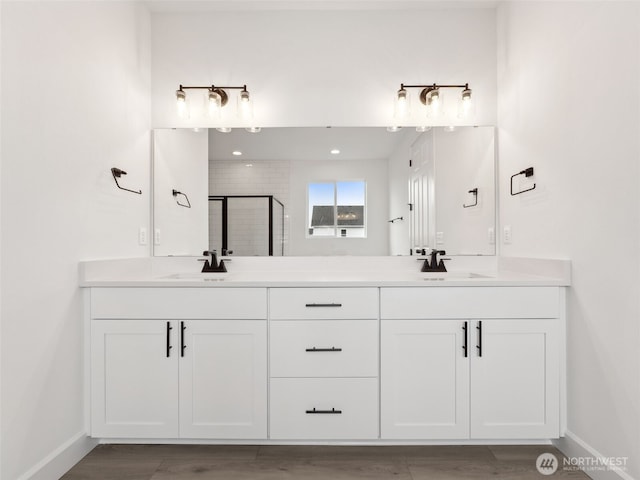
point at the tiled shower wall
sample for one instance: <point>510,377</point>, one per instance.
<point>234,177</point>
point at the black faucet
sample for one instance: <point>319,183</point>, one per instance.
<point>434,266</point>
<point>214,266</point>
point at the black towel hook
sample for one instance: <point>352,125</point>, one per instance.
<point>475,196</point>
<point>117,173</point>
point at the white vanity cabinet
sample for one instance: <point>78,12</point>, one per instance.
<point>479,363</point>
<point>324,363</point>
<point>179,363</point>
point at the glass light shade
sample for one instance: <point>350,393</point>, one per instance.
<point>435,103</point>
<point>214,104</point>
<point>402,106</point>
<point>253,129</point>
<point>182,107</point>
<point>245,105</point>
<point>466,106</point>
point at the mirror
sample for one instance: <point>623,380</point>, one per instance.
<point>324,191</point>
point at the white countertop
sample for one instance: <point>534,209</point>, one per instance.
<point>324,272</point>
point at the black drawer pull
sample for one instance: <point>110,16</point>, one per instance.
<point>333,411</point>
<point>332,349</point>
<point>323,305</point>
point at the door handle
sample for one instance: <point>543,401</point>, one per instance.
<point>466,336</point>
<point>182,345</point>
<point>332,349</point>
<point>169,347</point>
<point>479,345</point>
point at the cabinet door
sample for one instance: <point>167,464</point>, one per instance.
<point>515,379</point>
<point>223,379</point>
<point>424,380</point>
<point>134,379</point>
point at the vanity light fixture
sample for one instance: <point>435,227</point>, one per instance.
<point>431,97</point>
<point>216,99</point>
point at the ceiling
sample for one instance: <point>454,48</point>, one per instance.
<point>306,144</point>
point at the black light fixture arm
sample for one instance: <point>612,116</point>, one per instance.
<point>433,88</point>
<point>175,193</point>
<point>220,90</point>
<point>117,173</point>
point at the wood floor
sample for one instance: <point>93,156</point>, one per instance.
<point>199,462</point>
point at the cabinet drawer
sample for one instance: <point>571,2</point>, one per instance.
<point>323,303</point>
<point>179,303</point>
<point>324,348</point>
<point>469,302</point>
<point>356,400</point>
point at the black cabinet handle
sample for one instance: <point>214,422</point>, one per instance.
<point>466,336</point>
<point>332,349</point>
<point>333,411</point>
<point>479,345</point>
<point>323,305</point>
<point>182,345</point>
<point>169,347</point>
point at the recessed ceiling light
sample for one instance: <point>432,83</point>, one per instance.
<point>237,153</point>
<point>393,129</point>
<point>253,129</point>
<point>223,129</point>
<point>335,151</point>
<point>423,128</point>
<point>249,165</point>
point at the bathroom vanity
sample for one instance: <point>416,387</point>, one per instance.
<point>283,355</point>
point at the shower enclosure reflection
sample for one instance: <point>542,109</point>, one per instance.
<point>246,225</point>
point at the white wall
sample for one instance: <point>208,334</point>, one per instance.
<point>322,67</point>
<point>569,105</point>
<point>374,173</point>
<point>75,102</point>
<point>180,162</point>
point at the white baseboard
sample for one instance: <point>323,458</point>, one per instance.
<point>573,446</point>
<point>58,462</point>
